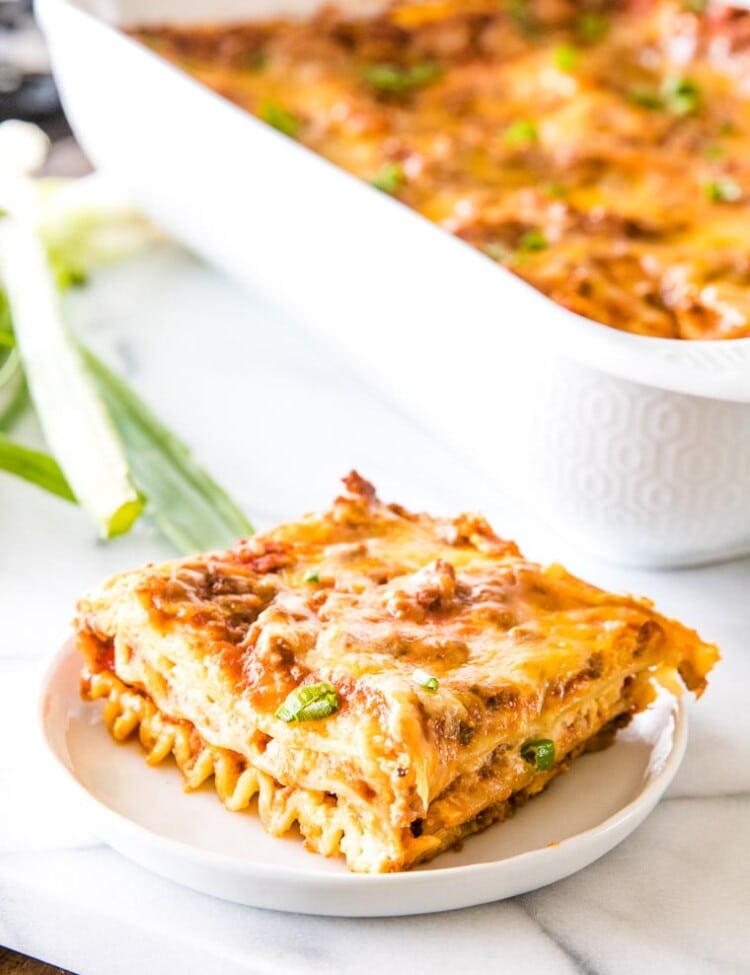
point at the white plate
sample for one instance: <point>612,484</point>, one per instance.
<point>144,813</point>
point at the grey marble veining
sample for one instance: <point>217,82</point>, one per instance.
<point>279,418</point>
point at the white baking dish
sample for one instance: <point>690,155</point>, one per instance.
<point>638,448</point>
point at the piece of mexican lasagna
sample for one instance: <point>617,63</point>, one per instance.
<point>390,682</point>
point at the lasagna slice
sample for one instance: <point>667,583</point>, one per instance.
<point>390,682</point>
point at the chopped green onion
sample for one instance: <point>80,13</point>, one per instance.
<point>521,132</point>
<point>35,467</point>
<point>311,576</point>
<point>723,191</point>
<point>539,753</point>
<point>557,191</point>
<point>681,95</point>
<point>389,179</point>
<point>521,13</point>
<point>311,702</point>
<point>566,57</point>
<point>396,79</point>
<point>592,26</point>
<point>425,680</point>
<point>184,500</point>
<point>695,6</point>
<point>646,99</point>
<point>279,118</point>
<point>75,423</point>
<point>257,61</point>
<point>498,252</point>
<point>533,240</point>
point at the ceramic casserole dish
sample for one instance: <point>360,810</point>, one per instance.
<point>638,448</point>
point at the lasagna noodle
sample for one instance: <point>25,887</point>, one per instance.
<point>199,654</point>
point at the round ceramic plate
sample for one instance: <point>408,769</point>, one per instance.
<point>144,813</point>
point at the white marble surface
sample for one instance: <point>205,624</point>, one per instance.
<point>279,418</point>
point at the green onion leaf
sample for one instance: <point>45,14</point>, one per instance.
<point>311,576</point>
<point>533,240</point>
<point>185,502</point>
<point>14,393</point>
<point>34,466</point>
<point>396,79</point>
<point>566,57</point>
<point>521,132</point>
<point>389,179</point>
<point>279,118</point>
<point>723,191</point>
<point>76,425</point>
<point>539,753</point>
<point>7,339</point>
<point>425,680</point>
<point>311,702</point>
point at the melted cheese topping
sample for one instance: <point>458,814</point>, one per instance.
<point>604,155</point>
<point>364,597</point>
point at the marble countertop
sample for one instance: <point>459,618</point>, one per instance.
<point>278,418</point>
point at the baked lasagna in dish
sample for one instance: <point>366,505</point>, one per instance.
<point>600,149</point>
<point>389,682</point>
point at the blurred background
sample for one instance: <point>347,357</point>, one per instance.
<point>27,89</point>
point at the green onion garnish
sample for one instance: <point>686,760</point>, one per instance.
<point>257,61</point>
<point>311,576</point>
<point>396,79</point>
<point>566,57</point>
<point>425,680</point>
<point>646,99</point>
<point>279,118</point>
<point>311,702</point>
<point>389,179</point>
<point>556,191</point>
<point>520,11</point>
<point>681,95</point>
<point>592,27</point>
<point>533,240</point>
<point>521,132</point>
<point>723,191</point>
<point>539,753</point>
